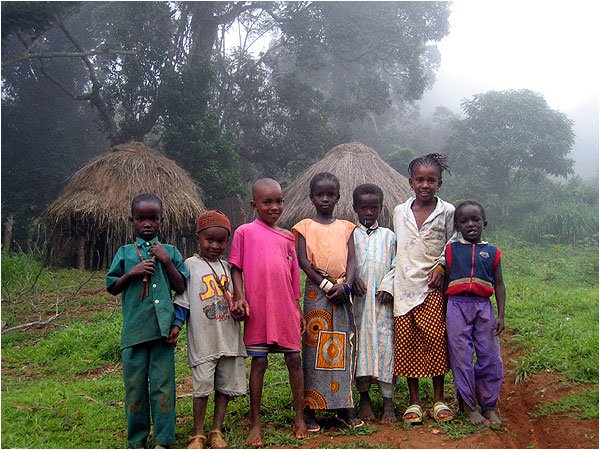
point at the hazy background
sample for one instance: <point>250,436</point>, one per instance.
<point>549,47</point>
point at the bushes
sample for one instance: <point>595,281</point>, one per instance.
<point>567,223</point>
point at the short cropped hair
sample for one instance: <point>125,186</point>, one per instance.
<point>467,203</point>
<point>145,197</point>
<point>367,188</point>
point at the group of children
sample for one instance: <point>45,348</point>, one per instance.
<point>374,308</point>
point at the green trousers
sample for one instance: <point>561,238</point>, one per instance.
<point>149,375</point>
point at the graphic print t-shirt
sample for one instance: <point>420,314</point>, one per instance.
<point>211,331</point>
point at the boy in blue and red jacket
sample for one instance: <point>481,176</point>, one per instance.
<point>473,275</point>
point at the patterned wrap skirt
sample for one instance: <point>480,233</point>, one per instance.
<point>328,351</point>
<point>420,349</point>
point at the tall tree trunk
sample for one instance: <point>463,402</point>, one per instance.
<point>205,27</point>
<point>8,233</point>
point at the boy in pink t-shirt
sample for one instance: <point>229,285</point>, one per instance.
<point>266,289</point>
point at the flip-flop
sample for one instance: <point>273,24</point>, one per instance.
<point>438,407</point>
<point>216,439</point>
<point>350,421</point>
<point>311,423</point>
<point>197,441</point>
<point>413,409</point>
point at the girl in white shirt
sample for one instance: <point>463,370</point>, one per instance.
<point>423,225</point>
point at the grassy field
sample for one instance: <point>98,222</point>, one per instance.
<point>62,387</point>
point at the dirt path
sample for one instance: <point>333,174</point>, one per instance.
<point>520,428</point>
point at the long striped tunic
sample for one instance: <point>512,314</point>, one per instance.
<point>375,261</point>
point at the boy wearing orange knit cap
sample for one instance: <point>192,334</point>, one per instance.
<point>215,348</point>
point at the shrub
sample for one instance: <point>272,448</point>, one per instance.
<point>568,223</point>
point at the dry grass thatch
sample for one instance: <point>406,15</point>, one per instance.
<point>96,203</point>
<point>353,164</point>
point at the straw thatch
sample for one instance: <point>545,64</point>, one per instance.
<point>90,218</point>
<point>353,164</point>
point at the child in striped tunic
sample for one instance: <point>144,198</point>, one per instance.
<point>375,250</point>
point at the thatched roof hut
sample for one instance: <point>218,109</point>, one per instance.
<point>353,164</point>
<point>90,218</point>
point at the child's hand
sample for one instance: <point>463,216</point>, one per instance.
<point>241,309</point>
<point>498,326</point>
<point>173,335</point>
<point>159,251</point>
<point>435,279</point>
<point>384,298</point>
<point>358,287</point>
<point>143,268</point>
<point>302,324</point>
<point>336,294</point>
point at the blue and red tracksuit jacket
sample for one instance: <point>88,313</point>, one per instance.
<point>470,268</point>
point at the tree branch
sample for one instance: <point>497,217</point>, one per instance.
<point>50,29</point>
<point>95,96</point>
<point>67,55</point>
<point>39,323</point>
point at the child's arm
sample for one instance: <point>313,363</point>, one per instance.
<point>358,287</point>
<point>176,280</point>
<point>500,293</point>
<point>302,319</point>
<point>141,269</point>
<point>241,308</point>
<point>339,293</point>
<point>181,315</point>
<point>385,292</point>
<point>304,263</point>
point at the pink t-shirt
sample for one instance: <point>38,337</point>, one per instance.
<point>267,258</point>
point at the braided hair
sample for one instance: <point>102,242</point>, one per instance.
<point>433,159</point>
<point>324,176</point>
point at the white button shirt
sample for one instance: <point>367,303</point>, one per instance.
<point>418,252</point>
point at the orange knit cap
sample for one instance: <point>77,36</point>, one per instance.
<point>213,218</point>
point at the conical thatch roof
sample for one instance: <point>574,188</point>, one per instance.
<point>96,203</point>
<point>353,164</point>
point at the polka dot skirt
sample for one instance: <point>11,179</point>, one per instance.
<point>420,340</point>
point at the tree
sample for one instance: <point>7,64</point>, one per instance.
<point>364,56</point>
<point>505,137</point>
<point>272,113</point>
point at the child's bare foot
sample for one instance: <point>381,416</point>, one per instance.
<point>475,416</point>
<point>365,411</point>
<point>389,416</point>
<point>300,430</point>
<point>254,438</point>
<point>492,416</point>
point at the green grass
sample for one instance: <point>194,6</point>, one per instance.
<point>62,385</point>
<point>581,405</point>
<point>552,308</point>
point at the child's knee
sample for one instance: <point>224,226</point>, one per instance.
<point>259,364</point>
<point>293,361</point>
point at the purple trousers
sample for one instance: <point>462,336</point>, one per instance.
<point>470,330</point>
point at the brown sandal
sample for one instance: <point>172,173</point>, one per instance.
<point>216,439</point>
<point>197,441</point>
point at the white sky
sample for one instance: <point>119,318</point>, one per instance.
<point>549,47</point>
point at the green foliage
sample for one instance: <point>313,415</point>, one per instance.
<point>506,138</point>
<point>194,138</point>
<point>566,223</point>
<point>400,158</point>
<point>17,270</point>
<point>30,17</point>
